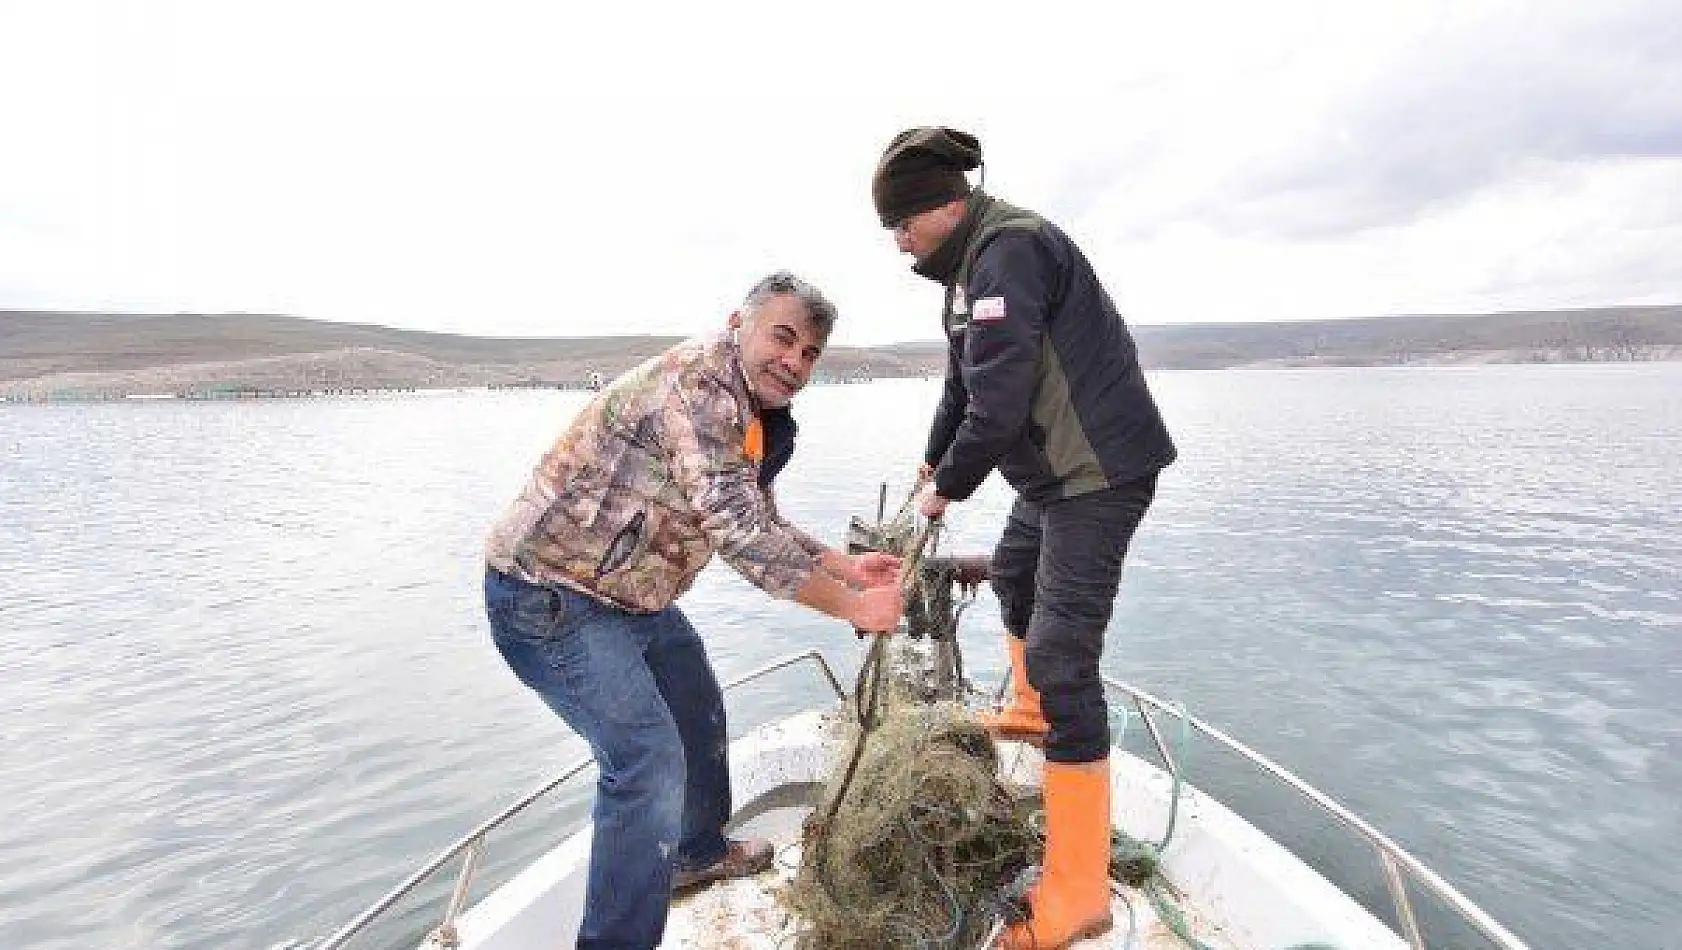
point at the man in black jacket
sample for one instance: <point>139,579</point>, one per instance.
<point>1042,383</point>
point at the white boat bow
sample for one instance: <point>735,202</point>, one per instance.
<point>1240,889</point>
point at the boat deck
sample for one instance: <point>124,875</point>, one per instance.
<point>746,914</point>
<point>1239,889</point>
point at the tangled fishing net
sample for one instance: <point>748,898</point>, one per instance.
<point>921,843</point>
<point>917,844</point>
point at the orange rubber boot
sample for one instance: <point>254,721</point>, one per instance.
<point>1021,719</point>
<point>1072,899</point>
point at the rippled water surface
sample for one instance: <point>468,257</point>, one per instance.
<point>248,687</point>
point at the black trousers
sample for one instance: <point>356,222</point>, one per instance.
<point>1056,571</point>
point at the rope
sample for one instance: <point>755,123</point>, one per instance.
<point>910,496</point>
<point>1139,863</point>
<point>867,690</point>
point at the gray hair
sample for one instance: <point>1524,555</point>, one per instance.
<point>819,310</point>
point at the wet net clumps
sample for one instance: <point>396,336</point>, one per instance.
<point>913,845</point>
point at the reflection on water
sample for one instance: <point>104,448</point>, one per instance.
<point>248,686</point>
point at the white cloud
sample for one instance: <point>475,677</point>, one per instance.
<point>560,169</point>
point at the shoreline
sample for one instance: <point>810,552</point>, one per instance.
<point>48,356</point>
<point>130,387</point>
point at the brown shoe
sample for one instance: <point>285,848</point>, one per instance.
<point>744,858</point>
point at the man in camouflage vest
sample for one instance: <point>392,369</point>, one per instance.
<point>1043,384</point>
<point>671,463</point>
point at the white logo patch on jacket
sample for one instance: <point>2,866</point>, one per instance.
<point>989,310</point>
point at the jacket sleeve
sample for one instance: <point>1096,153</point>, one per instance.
<point>1009,293</point>
<point>950,412</point>
<point>713,472</point>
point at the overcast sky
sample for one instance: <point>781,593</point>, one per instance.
<point>560,169</point>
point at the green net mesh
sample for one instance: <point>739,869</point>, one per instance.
<point>918,849</point>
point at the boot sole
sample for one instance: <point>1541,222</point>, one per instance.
<point>1097,928</point>
<point>1035,739</point>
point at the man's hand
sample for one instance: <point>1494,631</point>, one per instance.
<point>930,504</point>
<point>970,572</point>
<point>873,569</point>
<point>876,610</point>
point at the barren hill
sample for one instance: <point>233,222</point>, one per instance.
<point>1601,334</point>
<point>51,355</point>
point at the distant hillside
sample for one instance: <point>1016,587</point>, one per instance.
<point>48,355</point>
<point>42,346</point>
<point>1593,335</point>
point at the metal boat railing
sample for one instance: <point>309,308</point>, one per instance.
<point>1398,866</point>
<point>472,844</point>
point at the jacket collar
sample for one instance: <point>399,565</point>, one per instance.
<point>778,421</point>
<point>942,266</point>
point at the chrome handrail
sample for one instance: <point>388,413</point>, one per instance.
<point>1393,858</point>
<point>473,841</point>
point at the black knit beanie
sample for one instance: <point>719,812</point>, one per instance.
<point>922,168</point>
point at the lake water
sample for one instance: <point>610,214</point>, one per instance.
<point>248,685</point>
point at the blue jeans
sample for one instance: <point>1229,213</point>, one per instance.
<point>640,690</point>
